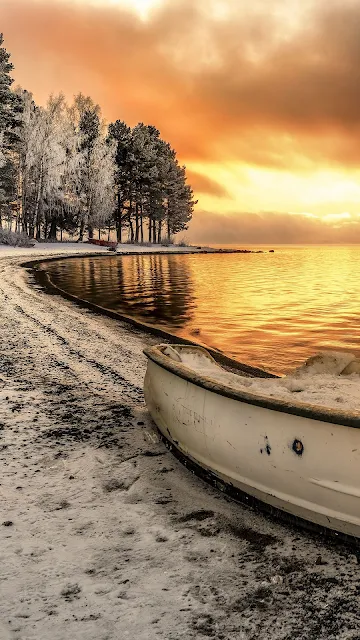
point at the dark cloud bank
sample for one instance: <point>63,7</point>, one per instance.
<point>247,87</point>
<point>270,228</point>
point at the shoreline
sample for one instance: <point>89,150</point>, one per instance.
<point>93,250</point>
<point>43,279</point>
<point>110,536</point>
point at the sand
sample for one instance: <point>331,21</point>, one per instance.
<point>104,535</point>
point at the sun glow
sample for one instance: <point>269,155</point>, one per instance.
<point>325,193</point>
<point>141,7</point>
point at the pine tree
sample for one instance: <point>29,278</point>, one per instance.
<point>145,172</point>
<point>121,135</point>
<point>149,184</point>
<point>9,109</point>
<point>8,184</point>
<point>8,100</point>
<point>180,200</point>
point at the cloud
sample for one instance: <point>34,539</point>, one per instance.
<point>273,228</point>
<point>272,84</point>
<point>203,184</point>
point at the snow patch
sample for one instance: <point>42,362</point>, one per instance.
<point>330,379</point>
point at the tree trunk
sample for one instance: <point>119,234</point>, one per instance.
<point>131,228</point>
<point>46,226</point>
<point>136,223</point>
<point>118,225</point>
<point>90,228</point>
<point>37,204</point>
<point>119,232</point>
<point>18,223</point>
<point>52,231</point>
<point>21,186</point>
<point>159,232</point>
<point>81,231</point>
<point>150,230</point>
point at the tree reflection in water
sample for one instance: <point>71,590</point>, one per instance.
<point>272,310</point>
<point>155,288</point>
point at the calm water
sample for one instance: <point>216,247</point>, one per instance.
<point>271,310</point>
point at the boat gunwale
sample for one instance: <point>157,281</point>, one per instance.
<point>301,409</point>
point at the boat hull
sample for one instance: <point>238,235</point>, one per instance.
<point>304,467</point>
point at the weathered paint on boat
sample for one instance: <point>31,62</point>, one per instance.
<point>300,459</point>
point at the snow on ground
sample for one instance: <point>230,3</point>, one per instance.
<point>83,247</point>
<point>104,535</point>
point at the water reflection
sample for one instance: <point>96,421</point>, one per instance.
<point>154,288</point>
<point>271,310</point>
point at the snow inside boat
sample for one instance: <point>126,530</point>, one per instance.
<point>247,432</point>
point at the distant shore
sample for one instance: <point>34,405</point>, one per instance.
<point>123,248</point>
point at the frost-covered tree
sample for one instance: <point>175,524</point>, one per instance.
<point>101,183</point>
<point>66,167</point>
<point>70,211</point>
<point>48,160</point>
<point>42,161</point>
<point>62,169</point>
<point>86,118</point>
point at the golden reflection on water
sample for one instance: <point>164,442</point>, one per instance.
<point>271,310</point>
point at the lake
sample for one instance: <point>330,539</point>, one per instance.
<point>271,310</point>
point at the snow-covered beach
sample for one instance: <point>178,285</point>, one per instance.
<point>104,535</point>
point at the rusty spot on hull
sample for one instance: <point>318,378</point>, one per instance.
<point>298,447</point>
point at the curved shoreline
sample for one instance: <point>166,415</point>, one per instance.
<point>106,533</point>
<point>43,279</point>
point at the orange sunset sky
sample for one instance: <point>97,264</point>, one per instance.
<point>259,98</point>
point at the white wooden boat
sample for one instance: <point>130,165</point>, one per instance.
<point>297,458</point>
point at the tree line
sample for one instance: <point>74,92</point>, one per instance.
<point>63,170</point>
